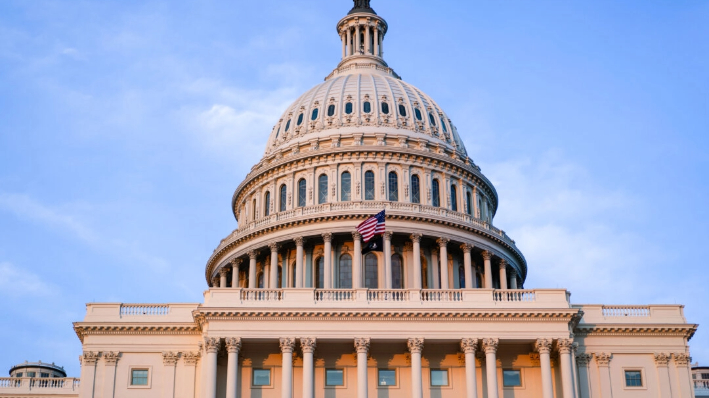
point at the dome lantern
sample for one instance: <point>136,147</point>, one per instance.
<point>362,34</point>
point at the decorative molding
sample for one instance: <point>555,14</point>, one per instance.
<point>170,358</point>
<point>442,242</point>
<point>535,359</point>
<point>191,358</point>
<point>686,331</point>
<point>233,344</point>
<point>362,344</point>
<point>662,359</point>
<point>466,248</point>
<point>327,237</point>
<point>308,344</point>
<point>416,237</point>
<point>212,344</point>
<point>90,357</point>
<point>299,241</point>
<point>110,357</point>
<point>487,255</point>
<point>603,358</point>
<point>543,346</point>
<point>415,345</point>
<point>583,359</point>
<point>287,344</point>
<point>469,345</point>
<point>490,345</point>
<point>564,345</point>
<point>681,359</point>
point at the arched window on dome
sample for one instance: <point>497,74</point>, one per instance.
<point>331,110</point>
<point>322,189</point>
<point>300,119</point>
<point>443,125</point>
<point>369,185</point>
<point>301,192</point>
<point>254,210</point>
<point>393,187</point>
<point>469,201</point>
<point>397,272</point>
<point>345,271</point>
<point>371,271</point>
<point>320,273</point>
<point>385,108</point>
<point>415,189</point>
<point>480,208</point>
<point>402,110</point>
<point>367,107</point>
<point>287,125</point>
<point>267,204</point>
<point>346,187</point>
<point>435,194</point>
<point>417,111</point>
<point>314,115</point>
<point>432,119</point>
<point>454,198</point>
<point>348,108</point>
<point>461,277</point>
<point>284,198</point>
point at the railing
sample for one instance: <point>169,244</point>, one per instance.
<point>145,309</point>
<point>625,310</point>
<point>21,384</point>
<point>47,383</point>
<point>514,295</point>
<point>441,295</point>
<point>261,295</point>
<point>388,295</point>
<point>701,384</point>
<point>10,382</point>
<point>335,295</point>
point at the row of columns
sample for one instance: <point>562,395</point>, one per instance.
<point>354,43</point>
<point>357,280</point>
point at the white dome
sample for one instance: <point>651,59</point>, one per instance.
<point>338,106</point>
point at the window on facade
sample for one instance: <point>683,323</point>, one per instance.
<point>371,271</point>
<point>415,189</point>
<point>418,114</point>
<point>261,377</point>
<point>287,125</point>
<point>367,106</point>
<point>393,187</point>
<point>454,198</point>
<point>300,119</point>
<point>435,194</point>
<point>253,209</point>
<point>397,272</point>
<point>385,108</point>
<point>31,374</point>
<point>139,377</point>
<point>348,108</point>
<point>431,119</point>
<point>44,375</point>
<point>278,131</point>
<point>301,192</point>
<point>267,204</point>
<point>334,377</point>
<point>705,376</point>
<point>633,378</point>
<point>480,208</point>
<point>511,378</point>
<point>369,185</point>
<point>387,377</point>
<point>469,202</point>
<point>346,187</point>
<point>320,273</point>
<point>443,125</point>
<point>331,110</point>
<point>314,115</point>
<point>439,377</point>
<point>322,189</point>
<point>402,110</point>
<point>284,198</point>
<point>345,271</point>
<point>461,277</point>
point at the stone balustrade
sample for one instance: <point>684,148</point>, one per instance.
<point>701,385</point>
<point>139,313</point>
<point>625,310</point>
<point>145,309</point>
<point>629,314</point>
<point>15,386</point>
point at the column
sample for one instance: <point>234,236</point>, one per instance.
<point>327,275</point>
<point>252,269</point>
<point>349,41</point>
<point>235,263</point>
<point>357,261</point>
<point>299,261</point>
<point>415,347</point>
<point>574,369</point>
<point>169,360</point>
<point>567,381</point>
<point>368,40</point>
<point>513,279</point>
<point>543,347</point>
<point>681,362</point>
<point>274,266</point>
<point>468,346</point>
<point>222,277</point>
<point>233,346</point>
<point>663,376</point>
<point>307,344</point>
<point>443,261</point>
<point>487,256</point>
<point>358,40</point>
<point>287,344</point>
<point>211,345</point>
<point>344,45</point>
<point>418,282</point>
<point>603,361</point>
<point>387,259</point>
<point>109,373</point>
<point>503,274</point>
<point>476,211</point>
<point>584,379</point>
<point>470,280</point>
<point>190,360</point>
<point>362,346</point>
<point>490,347</point>
<point>376,39</point>
<point>88,370</point>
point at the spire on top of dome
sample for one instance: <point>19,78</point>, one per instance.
<point>361,6</point>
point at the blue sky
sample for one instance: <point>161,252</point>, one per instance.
<point>126,126</point>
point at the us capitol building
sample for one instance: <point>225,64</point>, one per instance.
<point>293,309</point>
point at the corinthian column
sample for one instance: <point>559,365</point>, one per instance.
<point>387,260</point>
<point>416,239</point>
<point>252,269</point>
<point>235,272</point>
<point>222,277</point>
<point>584,384</point>
<point>490,347</point>
<point>468,265</point>
<point>287,344</point>
<point>233,345</point>
<point>327,237</point>
<point>443,261</point>
<point>169,360</point>
<point>603,360</point>
<point>357,261</point>
<point>307,344</point>
<point>299,261</point>
<point>503,274</point>
<point>88,373</point>
<point>211,345</point>
<point>567,380</point>
<point>274,266</point>
<point>468,346</point>
<point>415,347</point>
<point>487,256</point>
<point>362,347</point>
<point>662,361</point>
<point>543,347</point>
<point>109,373</point>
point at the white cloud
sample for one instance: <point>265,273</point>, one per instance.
<point>16,282</point>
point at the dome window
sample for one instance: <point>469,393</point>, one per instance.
<point>315,114</point>
<point>435,197</point>
<point>418,114</point>
<point>415,189</point>
<point>348,108</point>
<point>402,110</point>
<point>278,131</point>
<point>300,119</point>
<point>287,125</point>
<point>432,119</point>
<point>331,110</point>
<point>369,185</point>
<point>443,125</point>
<point>367,107</point>
<point>385,108</point>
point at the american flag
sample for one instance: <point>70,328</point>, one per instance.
<point>374,225</point>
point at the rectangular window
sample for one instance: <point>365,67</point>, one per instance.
<point>139,377</point>
<point>387,377</point>
<point>262,377</point>
<point>439,377</point>
<point>31,374</point>
<point>511,378</point>
<point>705,376</point>
<point>633,378</point>
<point>18,375</point>
<point>44,375</point>
<point>334,377</point>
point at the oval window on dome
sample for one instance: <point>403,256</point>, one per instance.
<point>300,119</point>
<point>385,108</point>
<point>443,124</point>
<point>287,125</point>
<point>315,114</point>
<point>348,108</point>
<point>367,107</point>
<point>432,119</point>
<point>418,114</point>
<point>331,110</point>
<point>402,110</point>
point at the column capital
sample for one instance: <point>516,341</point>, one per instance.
<point>308,344</point>
<point>503,264</point>
<point>252,254</point>
<point>583,359</point>
<point>442,242</point>
<point>274,247</point>
<point>415,345</point>
<point>681,358</point>
<point>223,271</point>
<point>215,281</point>
<point>169,358</point>
<point>662,359</point>
<point>233,344</point>
<point>89,357</point>
<point>466,248</point>
<point>110,357</point>
<point>575,347</point>
<point>212,344</point>
<point>487,255</point>
<point>564,346</point>
<point>287,344</point>
<point>603,358</point>
<point>416,237</point>
<point>490,345</point>
<point>327,237</point>
<point>299,240</point>
<point>235,262</point>
<point>469,345</point>
<point>543,346</point>
<point>362,344</point>
<point>388,235</point>
<point>191,358</point>
<point>356,235</point>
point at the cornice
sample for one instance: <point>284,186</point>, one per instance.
<point>82,330</point>
<point>680,330</point>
